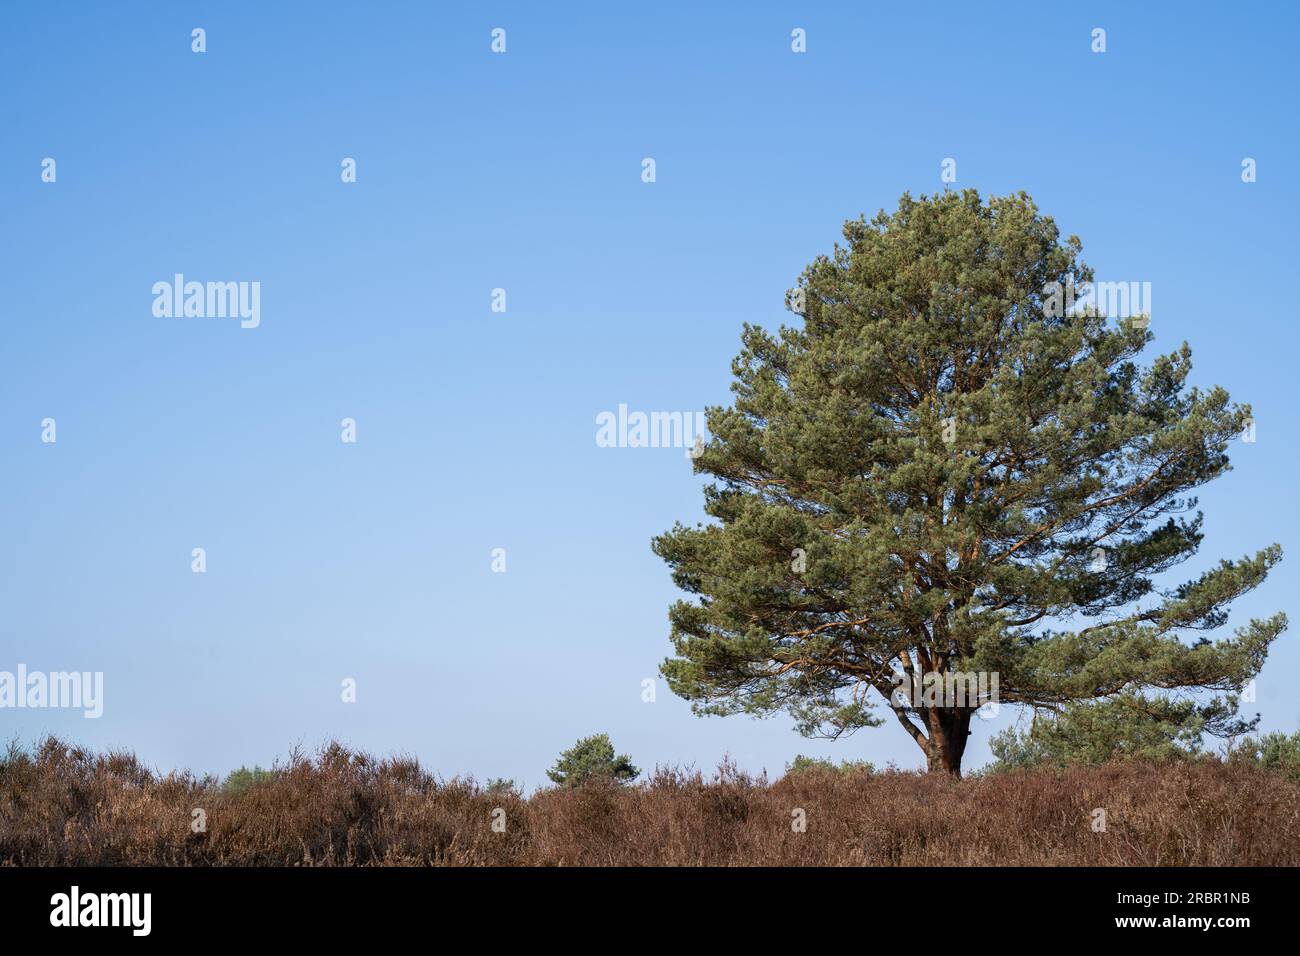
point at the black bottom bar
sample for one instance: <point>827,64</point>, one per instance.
<point>372,905</point>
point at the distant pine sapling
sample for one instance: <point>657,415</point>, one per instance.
<point>949,471</point>
<point>802,764</point>
<point>592,758</point>
<point>1273,751</point>
<point>246,778</point>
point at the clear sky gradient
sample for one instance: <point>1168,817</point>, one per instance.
<point>476,429</point>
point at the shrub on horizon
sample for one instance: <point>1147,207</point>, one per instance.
<point>592,758</point>
<point>244,779</point>
<point>802,764</point>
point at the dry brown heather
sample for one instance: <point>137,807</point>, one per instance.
<point>62,805</point>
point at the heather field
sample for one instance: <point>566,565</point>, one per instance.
<point>63,806</point>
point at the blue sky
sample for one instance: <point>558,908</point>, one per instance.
<point>476,429</point>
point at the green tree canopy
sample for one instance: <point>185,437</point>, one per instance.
<point>589,759</point>
<point>943,471</point>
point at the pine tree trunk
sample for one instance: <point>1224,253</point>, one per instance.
<point>949,730</point>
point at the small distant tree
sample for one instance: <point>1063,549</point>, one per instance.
<point>589,759</point>
<point>1274,751</point>
<point>245,778</point>
<point>1127,726</point>
<point>802,764</point>
<point>501,786</point>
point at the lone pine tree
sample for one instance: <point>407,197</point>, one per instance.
<point>945,472</point>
